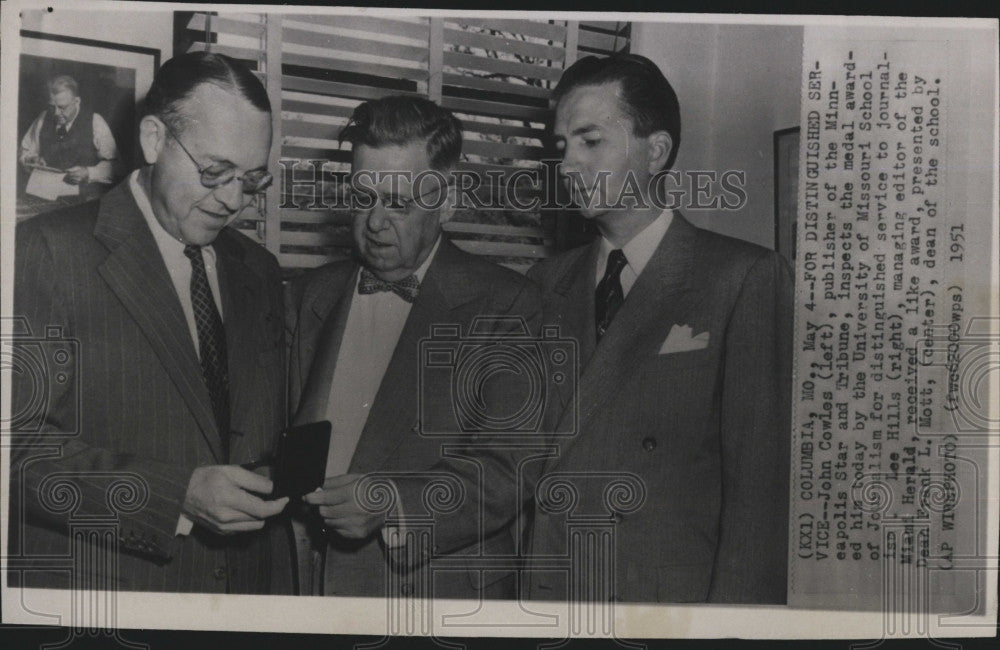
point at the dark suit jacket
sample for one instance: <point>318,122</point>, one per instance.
<point>133,409</point>
<point>705,432</point>
<point>685,453</point>
<point>456,289</point>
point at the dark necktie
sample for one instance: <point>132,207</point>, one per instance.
<point>609,296</point>
<point>211,343</point>
<point>408,288</point>
<point>61,131</point>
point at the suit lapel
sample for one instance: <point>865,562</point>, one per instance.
<point>658,299</point>
<point>136,273</point>
<point>328,309</point>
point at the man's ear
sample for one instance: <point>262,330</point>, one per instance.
<point>152,138</point>
<point>447,211</point>
<point>659,146</point>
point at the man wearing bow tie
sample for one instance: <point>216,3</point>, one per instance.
<point>356,329</point>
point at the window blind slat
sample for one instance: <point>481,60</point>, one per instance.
<point>481,107</point>
<point>227,25</point>
<point>505,44</point>
<point>365,24</point>
<point>552,31</point>
<point>338,89</point>
<point>469,81</point>
<point>338,43</point>
<point>513,68</point>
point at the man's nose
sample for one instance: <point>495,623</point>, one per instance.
<point>231,194</point>
<point>377,216</point>
<point>570,161</point>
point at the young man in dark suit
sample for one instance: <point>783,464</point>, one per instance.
<point>685,341</point>
<point>173,325</point>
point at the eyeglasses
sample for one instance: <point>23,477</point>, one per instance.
<point>363,200</point>
<point>253,182</point>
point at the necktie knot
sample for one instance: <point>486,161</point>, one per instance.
<point>192,252</point>
<point>407,288</point>
<point>61,131</point>
<point>616,262</point>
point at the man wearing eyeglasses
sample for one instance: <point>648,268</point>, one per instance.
<point>71,138</point>
<point>174,323</point>
<point>357,331</point>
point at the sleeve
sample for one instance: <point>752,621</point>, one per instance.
<point>488,468</point>
<point>751,561</point>
<point>51,459</point>
<point>107,150</point>
<point>29,143</point>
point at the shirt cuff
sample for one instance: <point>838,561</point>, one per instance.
<point>184,526</point>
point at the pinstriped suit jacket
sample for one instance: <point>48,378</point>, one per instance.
<point>131,407</point>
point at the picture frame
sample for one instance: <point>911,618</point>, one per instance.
<point>113,79</point>
<point>786,191</point>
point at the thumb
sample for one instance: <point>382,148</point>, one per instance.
<point>334,482</point>
<point>249,480</point>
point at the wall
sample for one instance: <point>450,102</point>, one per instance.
<point>736,84</point>
<point>148,28</point>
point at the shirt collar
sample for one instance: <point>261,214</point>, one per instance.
<point>420,272</point>
<point>639,250</point>
<point>169,246</point>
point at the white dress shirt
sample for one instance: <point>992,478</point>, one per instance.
<point>104,142</point>
<point>374,324</point>
<point>637,252</point>
<point>179,268</point>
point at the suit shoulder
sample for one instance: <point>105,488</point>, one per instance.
<point>322,275</point>
<point>547,271</point>
<point>476,268</point>
<point>738,255</point>
<point>63,226</point>
<point>319,280</point>
<point>254,255</point>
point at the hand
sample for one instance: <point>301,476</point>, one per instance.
<point>32,160</point>
<point>341,512</point>
<point>77,175</point>
<point>218,497</point>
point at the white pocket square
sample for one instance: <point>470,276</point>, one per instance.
<point>680,340</point>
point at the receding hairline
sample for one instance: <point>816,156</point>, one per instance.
<point>178,110</point>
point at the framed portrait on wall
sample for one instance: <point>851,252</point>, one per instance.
<point>63,159</point>
<point>786,191</point>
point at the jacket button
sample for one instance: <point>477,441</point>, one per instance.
<point>406,588</point>
<point>649,443</point>
<point>219,573</point>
